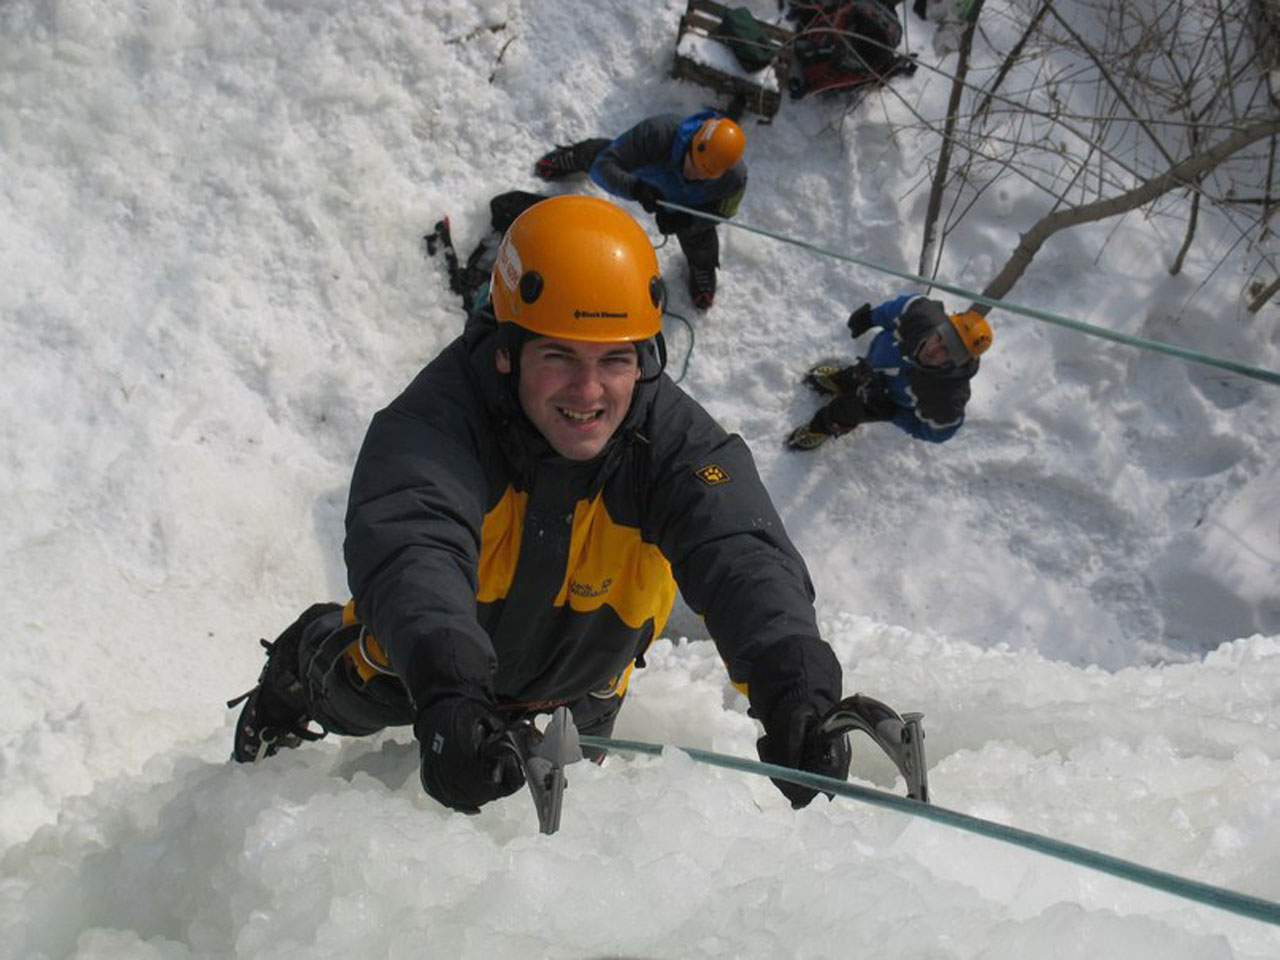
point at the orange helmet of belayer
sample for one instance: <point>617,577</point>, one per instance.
<point>973,330</point>
<point>717,146</point>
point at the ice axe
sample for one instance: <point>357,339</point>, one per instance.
<point>543,755</point>
<point>900,737</point>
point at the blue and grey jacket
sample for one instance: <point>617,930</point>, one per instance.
<point>653,151</point>
<point>930,400</point>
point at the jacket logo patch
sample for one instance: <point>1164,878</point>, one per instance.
<point>712,474</point>
<point>586,590</point>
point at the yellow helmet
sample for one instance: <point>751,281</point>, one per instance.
<point>973,330</point>
<point>578,268</point>
<point>716,146</point>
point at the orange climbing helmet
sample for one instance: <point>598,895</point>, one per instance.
<point>578,268</point>
<point>973,333</point>
<point>716,146</point>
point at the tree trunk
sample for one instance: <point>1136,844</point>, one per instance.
<point>1010,60</point>
<point>928,257</point>
<point>1176,268</point>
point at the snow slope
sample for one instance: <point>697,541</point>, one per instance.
<point>210,226</point>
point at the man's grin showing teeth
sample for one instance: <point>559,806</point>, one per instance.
<point>575,392</point>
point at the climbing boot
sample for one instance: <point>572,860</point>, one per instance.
<point>275,714</point>
<point>804,437</point>
<point>824,378</point>
<point>702,286</point>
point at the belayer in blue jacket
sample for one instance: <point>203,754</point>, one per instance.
<point>916,373</point>
<point>694,161</point>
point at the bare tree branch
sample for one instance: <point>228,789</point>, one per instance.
<point>1269,291</point>
<point>1179,174</point>
<point>1192,219</point>
<point>1110,80</point>
<point>1010,59</point>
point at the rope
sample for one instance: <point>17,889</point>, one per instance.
<point>684,368</point>
<point>1239,903</point>
<point>1245,370</point>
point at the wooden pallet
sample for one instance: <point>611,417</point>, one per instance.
<point>703,58</point>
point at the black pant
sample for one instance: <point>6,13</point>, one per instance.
<point>701,244</point>
<point>840,415</point>
<point>342,702</point>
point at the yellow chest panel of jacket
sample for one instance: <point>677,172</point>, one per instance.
<point>609,564</point>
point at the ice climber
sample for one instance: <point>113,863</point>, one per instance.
<point>519,520</point>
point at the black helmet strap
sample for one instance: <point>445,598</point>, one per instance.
<point>652,353</point>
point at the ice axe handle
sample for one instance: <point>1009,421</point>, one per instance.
<point>913,743</point>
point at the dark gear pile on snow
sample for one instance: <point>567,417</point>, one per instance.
<point>746,39</point>
<point>843,44</point>
<point>471,281</point>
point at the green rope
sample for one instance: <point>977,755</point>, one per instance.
<point>1253,907</point>
<point>1245,370</point>
<point>689,353</point>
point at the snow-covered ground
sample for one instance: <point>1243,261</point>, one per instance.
<point>210,239</point>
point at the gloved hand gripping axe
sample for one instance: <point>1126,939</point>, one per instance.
<point>544,755</point>
<point>901,737</point>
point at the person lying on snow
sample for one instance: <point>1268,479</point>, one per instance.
<point>519,521</point>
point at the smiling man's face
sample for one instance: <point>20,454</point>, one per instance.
<point>575,392</point>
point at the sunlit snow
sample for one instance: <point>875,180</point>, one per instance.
<point>210,237</point>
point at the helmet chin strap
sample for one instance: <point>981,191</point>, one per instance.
<point>660,353</point>
<point>511,339</point>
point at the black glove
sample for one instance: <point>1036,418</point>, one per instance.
<point>793,684</point>
<point>647,195</point>
<point>790,741</point>
<point>672,221</point>
<point>467,760</point>
<point>860,320</point>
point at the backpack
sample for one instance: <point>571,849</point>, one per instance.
<point>846,43</point>
<point>471,282</point>
<point>745,37</point>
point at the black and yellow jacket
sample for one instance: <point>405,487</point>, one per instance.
<point>479,558</point>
